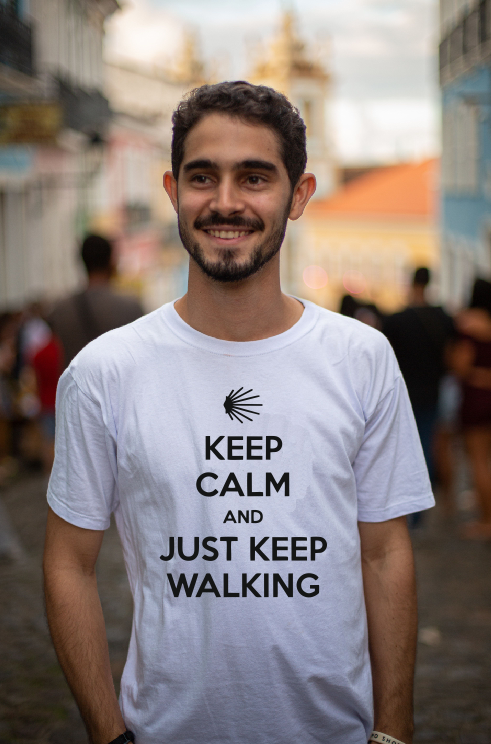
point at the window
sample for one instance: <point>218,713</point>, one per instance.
<point>460,147</point>
<point>484,30</point>
<point>471,32</point>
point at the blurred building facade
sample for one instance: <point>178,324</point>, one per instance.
<point>53,121</point>
<point>129,203</point>
<point>287,66</point>
<point>465,77</point>
<point>367,238</point>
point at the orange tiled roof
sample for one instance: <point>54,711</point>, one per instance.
<point>406,190</point>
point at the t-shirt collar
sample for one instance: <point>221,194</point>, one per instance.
<point>240,348</point>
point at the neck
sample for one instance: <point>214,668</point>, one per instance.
<point>248,310</point>
<point>99,278</point>
<point>418,298</point>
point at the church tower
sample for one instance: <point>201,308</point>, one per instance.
<point>188,68</point>
<point>287,68</point>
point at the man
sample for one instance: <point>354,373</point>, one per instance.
<point>420,335</point>
<point>238,435</point>
<point>84,316</point>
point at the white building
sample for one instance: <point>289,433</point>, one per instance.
<point>53,118</point>
<point>130,204</point>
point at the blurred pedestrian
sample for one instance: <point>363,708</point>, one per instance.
<point>84,316</point>
<point>349,305</point>
<point>8,334</point>
<point>34,333</point>
<point>47,363</point>
<point>370,315</point>
<point>365,312</point>
<point>471,360</point>
<point>32,444</point>
<point>445,440</point>
<point>420,335</point>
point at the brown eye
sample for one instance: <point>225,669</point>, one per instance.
<point>200,179</point>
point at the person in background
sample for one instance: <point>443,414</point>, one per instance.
<point>471,362</point>
<point>420,336</point>
<point>365,312</point>
<point>445,441</point>
<point>348,306</point>
<point>8,333</point>
<point>84,316</point>
<point>47,363</point>
<point>36,386</point>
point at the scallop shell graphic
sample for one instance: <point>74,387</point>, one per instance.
<point>237,406</point>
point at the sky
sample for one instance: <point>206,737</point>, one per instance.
<point>381,54</point>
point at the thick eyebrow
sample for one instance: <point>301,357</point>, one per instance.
<point>200,164</point>
<point>204,164</point>
<point>256,165</point>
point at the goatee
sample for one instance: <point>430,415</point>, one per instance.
<point>227,268</point>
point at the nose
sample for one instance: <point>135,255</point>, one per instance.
<point>227,199</point>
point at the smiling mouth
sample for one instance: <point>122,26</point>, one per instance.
<point>228,234</point>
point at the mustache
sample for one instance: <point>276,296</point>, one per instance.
<point>217,220</point>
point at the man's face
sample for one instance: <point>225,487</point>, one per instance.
<point>233,197</point>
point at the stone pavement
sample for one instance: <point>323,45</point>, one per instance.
<point>453,674</point>
<point>453,681</point>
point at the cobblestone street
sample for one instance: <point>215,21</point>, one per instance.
<point>453,681</point>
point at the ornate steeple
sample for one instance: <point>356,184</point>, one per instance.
<point>287,58</point>
<point>287,66</point>
<point>189,68</point>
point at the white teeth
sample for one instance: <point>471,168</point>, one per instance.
<point>228,234</point>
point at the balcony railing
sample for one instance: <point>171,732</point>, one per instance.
<point>15,42</point>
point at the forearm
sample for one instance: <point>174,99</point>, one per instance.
<point>77,627</point>
<point>390,596</point>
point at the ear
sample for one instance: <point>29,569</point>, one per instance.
<point>170,185</point>
<point>304,189</point>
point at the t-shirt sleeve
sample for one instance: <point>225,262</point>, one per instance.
<point>390,470</point>
<point>82,488</point>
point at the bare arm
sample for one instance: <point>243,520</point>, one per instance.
<point>390,597</point>
<point>77,625</point>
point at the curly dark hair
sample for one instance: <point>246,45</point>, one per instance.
<point>252,103</point>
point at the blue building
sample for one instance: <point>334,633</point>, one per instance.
<point>465,78</point>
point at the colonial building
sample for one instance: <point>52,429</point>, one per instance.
<point>150,93</point>
<point>129,203</point>
<point>368,237</point>
<point>287,67</point>
<point>465,77</point>
<point>53,120</point>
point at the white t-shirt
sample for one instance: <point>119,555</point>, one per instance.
<point>237,473</point>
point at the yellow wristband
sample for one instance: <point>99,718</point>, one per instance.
<point>383,738</point>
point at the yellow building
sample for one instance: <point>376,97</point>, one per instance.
<point>286,67</point>
<point>367,238</point>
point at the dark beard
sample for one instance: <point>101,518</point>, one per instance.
<point>226,268</point>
